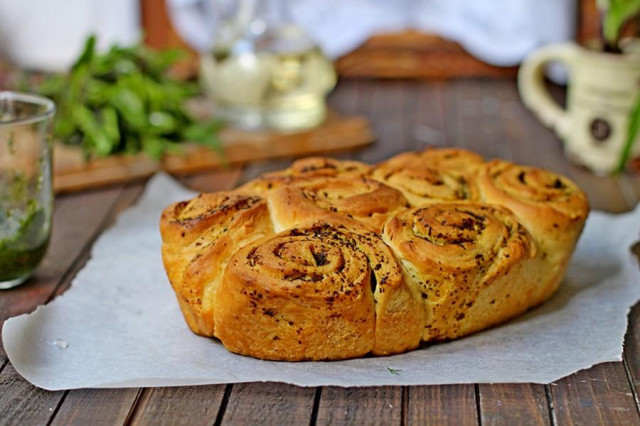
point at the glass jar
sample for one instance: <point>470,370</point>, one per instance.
<point>264,70</point>
<point>26,190</point>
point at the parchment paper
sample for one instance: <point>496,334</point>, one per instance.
<point>119,325</point>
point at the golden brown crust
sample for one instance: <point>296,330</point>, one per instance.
<point>329,260</point>
<point>550,206</point>
<point>199,237</point>
<point>463,257</point>
<point>364,200</point>
<point>432,175</point>
<point>307,294</point>
<point>307,169</point>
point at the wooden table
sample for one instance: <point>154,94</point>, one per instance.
<point>484,115</point>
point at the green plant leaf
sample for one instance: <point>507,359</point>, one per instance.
<point>87,54</point>
<point>616,14</point>
<point>110,124</point>
<point>130,106</point>
<point>93,132</point>
<point>153,146</point>
<point>123,100</point>
<point>632,133</point>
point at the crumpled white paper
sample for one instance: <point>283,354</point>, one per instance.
<point>120,326</point>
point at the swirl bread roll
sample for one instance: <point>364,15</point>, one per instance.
<point>473,264</point>
<point>198,238</point>
<point>328,260</point>
<point>310,168</point>
<point>328,289</point>
<point>364,200</point>
<point>550,206</point>
<point>431,175</point>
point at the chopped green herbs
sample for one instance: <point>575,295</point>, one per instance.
<point>124,101</point>
<point>24,236</point>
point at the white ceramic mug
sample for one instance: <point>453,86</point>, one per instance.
<point>603,89</point>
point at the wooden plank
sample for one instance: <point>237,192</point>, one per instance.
<point>213,181</point>
<point>189,406</point>
<point>357,406</point>
<point>428,127</point>
<point>269,404</point>
<point>513,404</point>
<point>529,142</point>
<point>96,407</point>
<point>604,193</point>
<point>599,395</point>
<point>345,97</point>
<point>630,187</point>
<point>240,147</point>
<point>473,120</point>
<point>387,108</point>
<point>442,405</point>
<point>21,403</point>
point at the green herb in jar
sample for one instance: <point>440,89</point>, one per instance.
<point>24,231</point>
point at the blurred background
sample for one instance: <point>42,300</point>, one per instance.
<point>269,65</point>
<point>372,38</point>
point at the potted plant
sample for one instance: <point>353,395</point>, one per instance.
<point>601,124</point>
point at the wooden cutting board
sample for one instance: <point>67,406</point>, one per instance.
<point>72,173</point>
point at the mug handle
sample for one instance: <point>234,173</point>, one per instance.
<point>533,92</point>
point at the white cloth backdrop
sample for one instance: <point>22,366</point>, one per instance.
<point>49,34</point>
<point>500,32</point>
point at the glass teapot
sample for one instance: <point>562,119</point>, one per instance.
<point>264,71</point>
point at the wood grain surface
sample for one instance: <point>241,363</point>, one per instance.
<point>482,114</point>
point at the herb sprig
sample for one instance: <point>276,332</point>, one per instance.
<point>124,101</point>
<point>616,15</point>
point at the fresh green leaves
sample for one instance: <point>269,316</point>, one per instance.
<point>616,14</point>
<point>125,101</point>
<point>632,133</point>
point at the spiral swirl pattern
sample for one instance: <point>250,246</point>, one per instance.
<point>364,200</point>
<point>457,254</point>
<point>307,169</point>
<point>552,208</point>
<point>307,293</point>
<point>535,186</point>
<point>431,175</point>
<point>332,260</point>
<point>207,230</point>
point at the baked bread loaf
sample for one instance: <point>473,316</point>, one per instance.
<point>337,259</point>
<point>431,175</point>
<point>550,206</point>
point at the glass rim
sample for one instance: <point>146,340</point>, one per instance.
<point>48,104</point>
